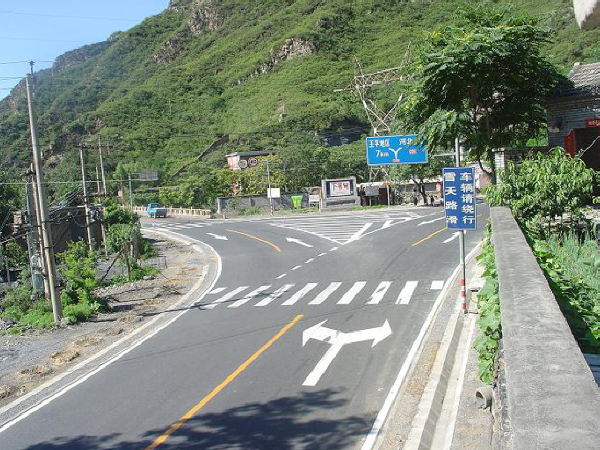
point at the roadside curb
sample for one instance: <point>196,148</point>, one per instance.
<point>429,412</point>
<point>27,404</point>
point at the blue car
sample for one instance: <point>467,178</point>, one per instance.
<point>156,210</point>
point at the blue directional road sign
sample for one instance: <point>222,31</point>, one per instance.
<point>460,200</point>
<point>389,150</point>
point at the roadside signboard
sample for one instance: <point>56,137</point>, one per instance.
<point>391,150</point>
<point>274,193</point>
<point>340,188</point>
<point>460,201</point>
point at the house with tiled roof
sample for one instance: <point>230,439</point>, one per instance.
<point>574,114</point>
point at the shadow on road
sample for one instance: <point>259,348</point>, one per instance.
<point>303,421</point>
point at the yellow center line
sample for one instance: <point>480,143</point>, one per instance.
<point>428,237</point>
<point>256,239</point>
<point>188,415</point>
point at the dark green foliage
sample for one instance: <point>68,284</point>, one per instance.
<point>488,304</point>
<point>483,79</point>
<point>544,188</point>
<point>572,267</point>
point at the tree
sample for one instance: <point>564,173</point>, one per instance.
<point>10,194</point>
<point>418,173</point>
<point>484,80</point>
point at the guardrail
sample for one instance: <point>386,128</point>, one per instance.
<point>207,213</point>
<point>548,396</point>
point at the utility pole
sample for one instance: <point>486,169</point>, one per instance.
<point>50,264</point>
<point>269,187</point>
<point>461,244</point>
<point>130,191</point>
<point>86,200</point>
<point>105,190</point>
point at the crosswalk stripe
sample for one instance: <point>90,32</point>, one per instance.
<point>217,290</point>
<point>196,225</point>
<point>325,293</point>
<point>407,292</point>
<point>437,285</point>
<point>227,296</point>
<point>278,293</point>
<point>379,293</point>
<point>352,292</point>
<point>249,296</point>
<point>300,294</point>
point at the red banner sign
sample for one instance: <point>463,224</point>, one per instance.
<point>569,141</point>
<point>591,123</point>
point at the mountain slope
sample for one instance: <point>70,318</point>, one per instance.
<point>261,72</point>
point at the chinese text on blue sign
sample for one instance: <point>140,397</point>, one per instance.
<point>459,198</point>
<point>387,150</point>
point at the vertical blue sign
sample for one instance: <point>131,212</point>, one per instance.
<point>460,198</point>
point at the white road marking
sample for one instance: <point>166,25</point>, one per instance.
<point>322,254</point>
<point>352,292</point>
<point>356,236</point>
<point>249,296</point>
<point>298,241</point>
<point>308,261</point>
<point>296,268</point>
<point>300,294</point>
<point>275,295</point>
<point>281,276</point>
<point>337,339</point>
<point>377,296</point>
<point>437,285</point>
<point>387,224</point>
<point>218,236</point>
<point>407,292</point>
<point>217,290</point>
<point>325,293</point>
<point>432,221</point>
<point>333,249</point>
<point>451,238</point>
<point>226,297</point>
<point>196,225</point>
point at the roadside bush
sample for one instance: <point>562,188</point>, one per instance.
<point>488,303</point>
<point>572,267</point>
<point>114,215</point>
<point>544,188</point>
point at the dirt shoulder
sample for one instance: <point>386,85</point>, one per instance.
<point>28,360</point>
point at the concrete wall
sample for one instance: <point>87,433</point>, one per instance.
<point>587,13</point>
<point>551,400</point>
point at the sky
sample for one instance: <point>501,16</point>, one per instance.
<point>41,30</point>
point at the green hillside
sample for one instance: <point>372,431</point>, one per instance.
<point>261,72</point>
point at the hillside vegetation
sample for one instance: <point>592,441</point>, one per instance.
<point>262,73</point>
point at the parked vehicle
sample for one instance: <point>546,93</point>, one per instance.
<point>156,210</point>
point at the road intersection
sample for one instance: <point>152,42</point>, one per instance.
<point>279,352</point>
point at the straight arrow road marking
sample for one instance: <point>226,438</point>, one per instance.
<point>379,293</point>
<point>432,221</point>
<point>352,292</point>
<point>325,293</point>
<point>298,241</point>
<point>275,295</point>
<point>451,238</point>
<point>300,294</point>
<point>226,297</point>
<point>387,224</point>
<point>337,339</point>
<point>407,292</point>
<point>249,296</point>
<point>218,236</point>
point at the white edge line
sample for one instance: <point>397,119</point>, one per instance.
<point>393,393</point>
<point>84,378</point>
<point>461,379</point>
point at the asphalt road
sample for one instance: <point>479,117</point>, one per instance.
<point>296,346</point>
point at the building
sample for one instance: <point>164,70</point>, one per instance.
<point>587,13</point>
<point>574,115</point>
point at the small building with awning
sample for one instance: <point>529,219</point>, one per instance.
<point>574,115</point>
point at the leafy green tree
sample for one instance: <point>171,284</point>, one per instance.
<point>545,188</point>
<point>484,80</point>
<point>418,173</point>
<point>10,194</point>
